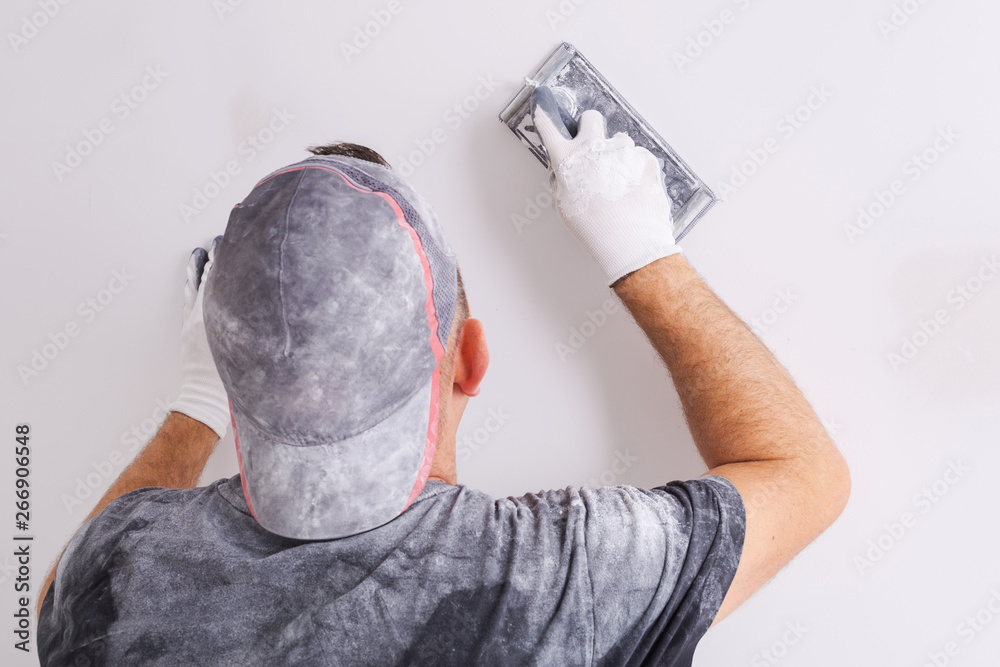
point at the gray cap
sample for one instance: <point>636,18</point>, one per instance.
<point>327,310</point>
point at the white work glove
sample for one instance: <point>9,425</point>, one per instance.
<point>609,192</point>
<point>202,395</point>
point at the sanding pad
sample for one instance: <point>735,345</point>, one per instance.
<point>578,86</point>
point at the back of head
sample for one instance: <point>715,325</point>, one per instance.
<point>328,310</point>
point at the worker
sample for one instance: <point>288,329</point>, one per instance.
<point>329,326</point>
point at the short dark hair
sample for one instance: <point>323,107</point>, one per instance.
<point>461,315</point>
<point>461,302</point>
<point>349,150</point>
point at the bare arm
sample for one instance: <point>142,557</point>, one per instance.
<point>750,422</point>
<point>174,458</point>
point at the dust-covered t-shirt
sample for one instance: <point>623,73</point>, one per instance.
<point>613,576</point>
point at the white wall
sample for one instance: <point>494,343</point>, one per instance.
<point>854,300</point>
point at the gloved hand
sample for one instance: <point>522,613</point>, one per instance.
<point>609,192</point>
<point>202,395</point>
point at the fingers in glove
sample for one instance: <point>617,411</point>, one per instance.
<point>622,140</point>
<point>211,256</point>
<point>549,123</point>
<point>592,125</point>
<point>653,172</point>
<point>195,268</point>
<point>215,244</point>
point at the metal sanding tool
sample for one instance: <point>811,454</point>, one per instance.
<point>578,86</point>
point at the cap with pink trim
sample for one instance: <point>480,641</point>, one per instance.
<point>328,309</point>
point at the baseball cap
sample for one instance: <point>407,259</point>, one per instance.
<point>327,310</point>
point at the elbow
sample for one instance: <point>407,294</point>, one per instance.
<point>837,476</point>
<point>827,477</point>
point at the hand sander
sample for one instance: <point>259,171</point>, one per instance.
<point>577,86</point>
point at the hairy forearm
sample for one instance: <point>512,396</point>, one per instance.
<point>174,458</point>
<point>740,404</point>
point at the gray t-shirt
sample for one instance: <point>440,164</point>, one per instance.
<point>611,576</point>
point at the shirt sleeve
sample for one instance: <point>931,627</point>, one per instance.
<point>660,563</point>
<point>79,607</point>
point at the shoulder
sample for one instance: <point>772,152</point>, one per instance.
<point>681,498</point>
<point>135,510</point>
<point>159,498</point>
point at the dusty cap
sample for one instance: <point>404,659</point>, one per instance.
<point>327,309</point>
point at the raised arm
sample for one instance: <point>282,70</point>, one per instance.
<point>750,422</point>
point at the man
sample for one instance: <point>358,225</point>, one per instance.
<point>335,336</point>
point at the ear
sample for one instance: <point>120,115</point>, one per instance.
<point>471,357</point>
